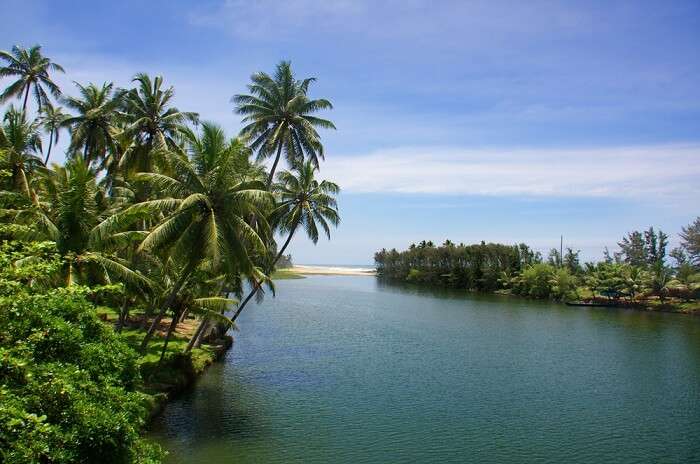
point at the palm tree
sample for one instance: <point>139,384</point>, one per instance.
<point>19,141</point>
<point>303,201</point>
<point>53,119</point>
<point>152,122</point>
<point>278,116</point>
<point>210,145</point>
<point>94,127</point>
<point>32,69</point>
<point>204,213</point>
<point>70,216</point>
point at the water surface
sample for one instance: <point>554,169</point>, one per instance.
<point>351,370</point>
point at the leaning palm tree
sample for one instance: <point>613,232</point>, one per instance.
<point>204,215</point>
<point>72,210</point>
<point>20,142</point>
<point>303,202</point>
<point>95,126</point>
<point>278,116</point>
<point>152,122</point>
<point>32,70</point>
<point>53,120</point>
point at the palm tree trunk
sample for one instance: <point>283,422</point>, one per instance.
<point>196,335</point>
<point>171,329</point>
<point>122,315</point>
<point>168,302</point>
<point>256,286</point>
<point>48,152</point>
<point>274,166</point>
<point>25,183</point>
<point>24,105</point>
<point>284,247</point>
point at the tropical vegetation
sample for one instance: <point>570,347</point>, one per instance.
<point>638,275</point>
<point>123,265</point>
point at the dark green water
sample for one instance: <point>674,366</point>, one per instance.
<point>349,370</point>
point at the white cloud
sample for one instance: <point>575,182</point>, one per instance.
<point>663,172</point>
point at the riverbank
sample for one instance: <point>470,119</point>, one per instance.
<point>333,270</point>
<point>650,304</point>
<point>179,371</point>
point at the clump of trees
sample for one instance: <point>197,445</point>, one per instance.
<point>69,383</point>
<point>156,214</point>
<point>638,271</point>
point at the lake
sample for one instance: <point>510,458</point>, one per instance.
<point>353,370</point>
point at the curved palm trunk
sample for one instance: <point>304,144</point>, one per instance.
<point>171,329</point>
<point>25,183</point>
<point>31,194</point>
<point>256,286</point>
<point>274,166</point>
<point>168,303</point>
<point>48,152</point>
<point>197,335</point>
<point>26,96</point>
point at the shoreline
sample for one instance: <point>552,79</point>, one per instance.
<point>332,270</point>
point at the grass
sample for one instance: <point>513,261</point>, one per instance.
<point>284,274</point>
<point>177,371</point>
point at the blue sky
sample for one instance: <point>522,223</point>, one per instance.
<point>485,120</point>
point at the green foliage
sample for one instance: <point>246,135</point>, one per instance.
<point>545,281</point>
<point>31,69</point>
<point>690,241</point>
<point>152,211</point>
<point>643,249</point>
<point>67,381</point>
<point>279,117</point>
<point>475,267</point>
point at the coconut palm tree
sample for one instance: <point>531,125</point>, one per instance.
<point>53,120</point>
<point>94,128</point>
<point>210,145</point>
<point>151,121</point>
<point>32,70</point>
<point>279,116</point>
<point>303,202</point>
<point>204,215</point>
<point>72,209</point>
<point>20,142</point>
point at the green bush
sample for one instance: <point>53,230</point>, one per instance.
<point>543,280</point>
<point>67,382</point>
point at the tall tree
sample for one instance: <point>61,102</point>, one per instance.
<point>279,117</point>
<point>72,209</point>
<point>205,214</point>
<point>690,241</point>
<point>633,249</point>
<point>53,120</point>
<point>20,142</point>
<point>303,201</point>
<point>95,126</point>
<point>32,71</point>
<point>152,122</point>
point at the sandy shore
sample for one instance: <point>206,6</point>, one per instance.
<point>328,270</point>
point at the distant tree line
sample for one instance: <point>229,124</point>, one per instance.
<point>638,272</point>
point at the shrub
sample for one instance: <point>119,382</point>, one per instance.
<point>67,382</point>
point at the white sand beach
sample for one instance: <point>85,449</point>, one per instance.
<point>331,270</point>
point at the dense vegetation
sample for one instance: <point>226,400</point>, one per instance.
<point>638,274</point>
<point>154,224</point>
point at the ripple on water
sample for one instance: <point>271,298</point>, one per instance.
<point>343,369</point>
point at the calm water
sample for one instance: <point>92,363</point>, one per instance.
<point>350,370</point>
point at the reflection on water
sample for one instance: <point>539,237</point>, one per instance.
<point>351,369</point>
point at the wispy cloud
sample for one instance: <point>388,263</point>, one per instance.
<point>663,172</point>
